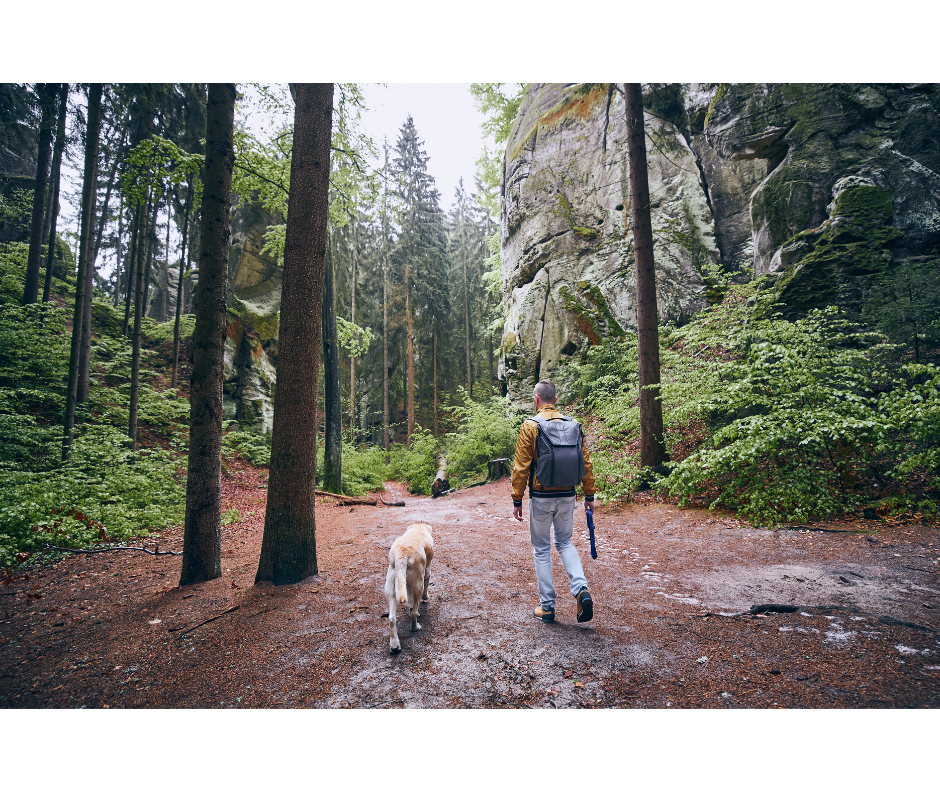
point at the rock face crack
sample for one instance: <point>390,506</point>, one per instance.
<point>538,353</point>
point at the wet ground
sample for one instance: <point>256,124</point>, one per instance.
<point>860,625</point>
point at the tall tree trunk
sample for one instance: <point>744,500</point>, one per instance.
<point>466,305</point>
<point>288,548</point>
<point>85,267</point>
<point>107,195</point>
<point>140,291</point>
<point>332,406</point>
<point>34,258</point>
<point>352,319</point>
<point>56,179</point>
<point>179,284</point>
<point>84,351</point>
<point>164,313</point>
<point>434,362</point>
<point>652,447</point>
<point>151,251</point>
<point>117,269</point>
<point>385,353</point>
<point>131,274</point>
<point>489,355</point>
<point>202,539</point>
<point>410,350</point>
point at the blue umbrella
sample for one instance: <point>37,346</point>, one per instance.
<point>590,519</point>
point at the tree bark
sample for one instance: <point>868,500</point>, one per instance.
<point>84,351</point>
<point>107,195</point>
<point>385,316</point>
<point>466,304</point>
<point>352,319</point>
<point>410,352</point>
<point>143,271</point>
<point>117,253</point>
<point>34,258</point>
<point>85,268</point>
<point>202,539</point>
<point>434,362</point>
<point>164,313</point>
<point>179,285</point>
<point>652,447</point>
<point>56,179</point>
<point>332,406</point>
<point>150,249</point>
<point>288,547</point>
<point>131,273</point>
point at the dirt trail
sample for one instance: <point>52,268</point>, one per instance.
<point>109,630</point>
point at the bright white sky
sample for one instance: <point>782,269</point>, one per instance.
<point>444,115</point>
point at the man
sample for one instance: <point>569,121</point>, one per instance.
<point>550,506</point>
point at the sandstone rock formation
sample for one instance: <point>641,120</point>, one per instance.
<point>736,172</point>
<point>254,304</point>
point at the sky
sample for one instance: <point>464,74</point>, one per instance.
<point>444,115</point>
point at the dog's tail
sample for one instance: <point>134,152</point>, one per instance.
<point>401,588</point>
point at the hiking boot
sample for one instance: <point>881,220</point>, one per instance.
<point>545,615</point>
<point>585,606</point>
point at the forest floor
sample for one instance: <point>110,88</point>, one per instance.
<point>672,589</point>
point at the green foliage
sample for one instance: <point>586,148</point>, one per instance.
<point>253,447</point>
<point>353,339</point>
<point>17,208</point>
<point>417,466</point>
<point>163,332</point>
<point>232,516</point>
<point>12,271</point>
<point>105,493</point>
<point>499,108</point>
<point>154,164</point>
<point>485,432</point>
<point>364,470</point>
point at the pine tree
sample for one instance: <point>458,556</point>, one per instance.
<point>46,93</point>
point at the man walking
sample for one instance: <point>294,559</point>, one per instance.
<point>551,485</point>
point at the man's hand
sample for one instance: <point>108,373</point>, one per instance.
<point>589,506</point>
<point>517,513</point>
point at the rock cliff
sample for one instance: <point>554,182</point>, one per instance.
<point>821,186</point>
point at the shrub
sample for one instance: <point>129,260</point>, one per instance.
<point>486,431</point>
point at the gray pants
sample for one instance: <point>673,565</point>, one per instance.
<point>543,514</point>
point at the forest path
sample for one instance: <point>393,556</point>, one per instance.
<point>110,630</point>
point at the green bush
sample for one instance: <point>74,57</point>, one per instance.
<point>364,470</point>
<point>417,466</point>
<point>485,432</point>
<point>253,447</point>
<point>163,332</point>
<point>12,271</point>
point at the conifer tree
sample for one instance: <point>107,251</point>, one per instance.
<point>46,93</point>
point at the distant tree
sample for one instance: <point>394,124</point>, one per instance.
<point>85,266</point>
<point>46,94</point>
<point>332,410</point>
<point>56,178</point>
<point>184,268</point>
<point>288,548</point>
<point>202,546</point>
<point>652,447</point>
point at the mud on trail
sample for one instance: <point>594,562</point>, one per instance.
<point>860,627</point>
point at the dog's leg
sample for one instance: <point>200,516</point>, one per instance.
<point>393,644</point>
<point>414,596</point>
<point>427,579</point>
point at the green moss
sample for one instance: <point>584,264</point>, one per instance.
<point>846,254</point>
<point>565,210</point>
<point>597,322</point>
<point>719,95</point>
<point>509,342</point>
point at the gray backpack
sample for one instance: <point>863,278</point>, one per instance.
<point>560,460</point>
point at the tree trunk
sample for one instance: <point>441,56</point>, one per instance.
<point>385,354</point>
<point>151,250</point>
<point>202,540</point>
<point>466,305</point>
<point>130,292</point>
<point>489,355</point>
<point>56,179</point>
<point>107,195</point>
<point>288,547</point>
<point>84,351</point>
<point>410,351</point>
<point>179,285</point>
<point>164,313</point>
<point>34,258</point>
<point>117,268</point>
<point>140,294</point>
<point>332,406</point>
<point>85,267</point>
<point>352,319</point>
<point>652,448</point>
<point>434,362</point>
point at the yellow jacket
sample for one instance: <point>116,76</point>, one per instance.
<point>526,458</point>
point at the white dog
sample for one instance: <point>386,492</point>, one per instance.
<point>408,575</point>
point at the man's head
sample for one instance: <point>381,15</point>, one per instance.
<point>544,393</point>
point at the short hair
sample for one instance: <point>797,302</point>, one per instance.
<point>545,390</point>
